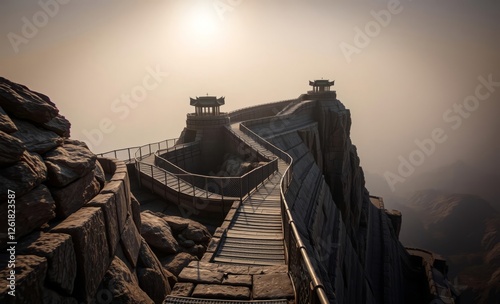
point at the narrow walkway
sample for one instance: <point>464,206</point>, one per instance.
<point>255,235</point>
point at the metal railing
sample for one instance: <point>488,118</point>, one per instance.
<point>128,155</point>
<point>307,284</point>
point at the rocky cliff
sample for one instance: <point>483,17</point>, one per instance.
<point>352,240</point>
<point>70,229</point>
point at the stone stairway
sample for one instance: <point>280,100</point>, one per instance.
<point>255,235</point>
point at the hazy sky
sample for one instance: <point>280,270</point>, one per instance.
<point>417,59</point>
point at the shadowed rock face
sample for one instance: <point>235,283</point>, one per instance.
<point>77,228</point>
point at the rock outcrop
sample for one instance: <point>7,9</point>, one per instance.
<point>77,223</point>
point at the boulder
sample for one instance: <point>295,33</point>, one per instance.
<point>157,233</point>
<point>154,283</point>
<point>11,149</point>
<point>6,124</point>
<point>24,103</point>
<point>33,209</point>
<point>59,125</point>
<point>136,211</point>
<point>175,263</point>
<point>196,234</point>
<point>36,139</point>
<point>150,272</point>
<point>119,286</point>
<point>23,176</point>
<point>70,198</point>
<point>68,163</point>
<point>221,292</point>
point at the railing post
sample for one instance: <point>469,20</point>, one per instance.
<point>165,187</point>
<point>152,180</point>
<point>178,190</point>
<point>241,190</point>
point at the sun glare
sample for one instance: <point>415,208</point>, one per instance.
<point>202,23</point>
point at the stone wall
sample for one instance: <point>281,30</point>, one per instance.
<point>77,223</point>
<point>351,242</point>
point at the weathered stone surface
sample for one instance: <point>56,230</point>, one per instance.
<point>182,289</point>
<point>119,190</point>
<point>177,223</point>
<point>272,286</point>
<point>30,275</point>
<point>86,228</point>
<point>198,234</point>
<point>68,163</point>
<point>118,286</point>
<point>100,175</point>
<point>153,283</point>
<point>23,176</point>
<point>221,292</point>
<point>59,125</point>
<point>171,278</point>
<point>23,103</point>
<point>6,124</point>
<point>36,139</point>
<point>157,233</point>
<point>237,280</point>
<point>131,240</point>
<point>58,249</point>
<point>33,209</point>
<point>73,196</point>
<point>175,263</point>
<point>197,250</point>
<point>11,149</point>
<point>136,211</point>
<point>200,276</point>
<point>148,264</point>
<point>108,205</point>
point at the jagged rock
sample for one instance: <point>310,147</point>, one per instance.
<point>171,278</point>
<point>196,234</point>
<point>197,250</point>
<point>70,198</point>
<point>11,149</point>
<point>21,102</point>
<point>86,227</point>
<point>6,124</point>
<point>136,211</point>
<point>33,209</point>
<point>36,139</point>
<point>100,175</point>
<point>131,240</point>
<point>188,243</point>
<point>177,223</point>
<point>23,176</point>
<point>157,233</point>
<point>221,292</point>
<point>30,275</point>
<point>58,249</point>
<point>59,125</point>
<point>118,286</point>
<point>68,163</point>
<point>175,263</point>
<point>153,283</point>
<point>150,272</point>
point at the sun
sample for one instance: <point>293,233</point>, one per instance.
<point>201,23</point>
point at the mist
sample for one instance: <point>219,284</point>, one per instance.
<point>417,60</point>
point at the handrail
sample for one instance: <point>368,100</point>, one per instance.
<point>318,293</point>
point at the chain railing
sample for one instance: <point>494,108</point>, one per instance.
<point>307,283</point>
<point>128,155</point>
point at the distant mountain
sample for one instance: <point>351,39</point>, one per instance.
<point>466,230</point>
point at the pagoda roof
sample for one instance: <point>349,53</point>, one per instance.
<point>207,101</point>
<point>321,83</point>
